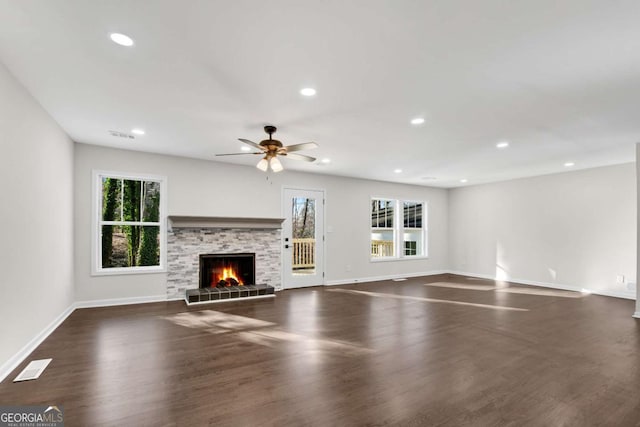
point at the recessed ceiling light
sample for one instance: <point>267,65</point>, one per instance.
<point>326,160</point>
<point>463,180</point>
<point>245,148</point>
<point>121,39</point>
<point>308,91</point>
<point>137,131</point>
<point>503,144</point>
<point>417,121</point>
<point>397,171</point>
<point>569,164</point>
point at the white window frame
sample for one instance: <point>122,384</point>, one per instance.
<point>398,229</point>
<point>97,223</point>
<point>394,229</point>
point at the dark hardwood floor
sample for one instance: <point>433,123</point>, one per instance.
<point>437,351</point>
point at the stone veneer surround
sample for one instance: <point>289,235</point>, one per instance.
<point>184,245</point>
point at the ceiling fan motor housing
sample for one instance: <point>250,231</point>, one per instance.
<point>270,129</point>
<point>271,144</point>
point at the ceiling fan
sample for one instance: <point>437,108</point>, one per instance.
<point>272,148</point>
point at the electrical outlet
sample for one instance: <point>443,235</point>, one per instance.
<point>348,267</point>
<point>620,279</point>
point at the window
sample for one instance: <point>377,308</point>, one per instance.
<point>389,230</point>
<point>412,233</point>
<point>382,229</point>
<point>129,231</point>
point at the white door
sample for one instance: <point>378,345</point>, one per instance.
<point>303,238</point>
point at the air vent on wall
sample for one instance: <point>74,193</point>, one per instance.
<point>118,134</point>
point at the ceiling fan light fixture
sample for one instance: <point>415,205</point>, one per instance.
<point>272,148</point>
<point>276,166</point>
<point>263,164</point>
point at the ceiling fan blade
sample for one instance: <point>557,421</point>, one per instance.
<point>253,144</point>
<point>236,154</point>
<point>303,146</point>
<point>299,157</point>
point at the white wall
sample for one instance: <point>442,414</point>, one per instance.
<point>198,187</point>
<point>637,313</point>
<point>36,213</point>
<point>576,229</point>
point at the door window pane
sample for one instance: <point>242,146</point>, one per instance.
<point>303,232</point>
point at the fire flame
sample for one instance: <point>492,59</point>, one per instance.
<point>228,272</point>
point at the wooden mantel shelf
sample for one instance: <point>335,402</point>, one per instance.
<point>176,221</point>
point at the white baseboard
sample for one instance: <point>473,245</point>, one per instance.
<point>25,351</point>
<point>123,301</point>
<point>636,314</point>
<point>381,278</point>
<point>616,294</point>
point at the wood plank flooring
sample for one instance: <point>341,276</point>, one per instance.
<point>436,351</point>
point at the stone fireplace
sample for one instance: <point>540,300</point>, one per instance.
<point>190,237</point>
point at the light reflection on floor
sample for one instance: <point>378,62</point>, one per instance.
<point>216,322</point>
<point>510,290</point>
<point>432,300</point>
<point>462,286</point>
<point>544,292</point>
<point>260,332</point>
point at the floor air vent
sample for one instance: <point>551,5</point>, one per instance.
<point>33,370</point>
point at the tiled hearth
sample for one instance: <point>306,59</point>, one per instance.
<point>194,296</point>
<point>189,237</point>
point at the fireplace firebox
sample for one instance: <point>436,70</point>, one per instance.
<point>227,270</point>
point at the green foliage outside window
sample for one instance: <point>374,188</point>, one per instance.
<point>130,223</point>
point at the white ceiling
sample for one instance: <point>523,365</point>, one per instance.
<point>560,80</point>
